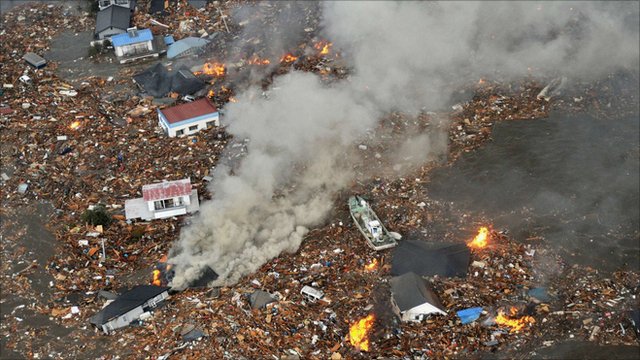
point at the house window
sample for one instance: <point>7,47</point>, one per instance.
<point>193,128</point>
<point>180,132</point>
<point>210,123</point>
<point>165,204</point>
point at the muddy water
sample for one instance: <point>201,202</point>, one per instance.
<point>571,181</point>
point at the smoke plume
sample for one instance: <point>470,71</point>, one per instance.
<point>404,56</point>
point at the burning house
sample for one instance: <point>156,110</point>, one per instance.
<point>129,307</point>
<point>412,299</point>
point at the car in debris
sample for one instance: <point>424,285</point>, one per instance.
<point>311,294</point>
<point>25,79</point>
<point>377,236</point>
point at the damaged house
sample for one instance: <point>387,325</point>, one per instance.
<point>111,21</point>
<point>157,81</point>
<point>412,299</point>
<point>163,200</point>
<point>188,118</point>
<point>129,4</point>
<point>129,307</point>
<point>137,44</point>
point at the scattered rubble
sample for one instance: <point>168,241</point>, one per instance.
<point>77,146</point>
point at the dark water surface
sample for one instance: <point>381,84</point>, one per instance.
<point>571,180</point>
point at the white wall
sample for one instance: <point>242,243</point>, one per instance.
<point>202,124</point>
<point>424,309</point>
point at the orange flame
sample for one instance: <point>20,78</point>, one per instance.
<point>156,278</point>
<point>214,68</point>
<point>359,332</point>
<point>74,125</point>
<point>323,46</point>
<point>480,241</point>
<point>373,265</point>
<point>211,93</point>
<point>255,60</point>
<point>515,324</point>
<point>288,58</point>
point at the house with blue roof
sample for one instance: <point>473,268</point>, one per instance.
<point>134,44</point>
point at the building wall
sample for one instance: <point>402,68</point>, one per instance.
<point>134,49</point>
<point>200,122</point>
<point>122,320</point>
<point>186,200</point>
<point>424,309</point>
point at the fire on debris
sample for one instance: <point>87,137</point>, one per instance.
<point>373,265</point>
<point>288,58</point>
<point>516,324</point>
<point>255,60</point>
<point>323,46</point>
<point>213,68</point>
<point>481,240</point>
<point>74,125</point>
<point>359,332</point>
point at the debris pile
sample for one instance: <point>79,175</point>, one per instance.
<point>98,142</point>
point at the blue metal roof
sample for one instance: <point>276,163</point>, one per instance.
<point>126,38</point>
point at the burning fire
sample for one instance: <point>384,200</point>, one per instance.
<point>211,94</point>
<point>359,332</point>
<point>74,125</point>
<point>215,69</point>
<point>480,241</point>
<point>255,60</point>
<point>323,46</point>
<point>515,324</point>
<point>288,58</point>
<point>156,278</point>
<point>372,265</point>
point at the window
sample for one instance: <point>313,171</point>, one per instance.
<point>180,132</point>
<point>194,127</point>
<point>210,124</point>
<point>158,205</point>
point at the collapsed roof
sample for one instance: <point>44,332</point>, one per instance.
<point>157,81</point>
<point>424,259</point>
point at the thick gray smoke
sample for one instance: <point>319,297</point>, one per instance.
<point>405,56</point>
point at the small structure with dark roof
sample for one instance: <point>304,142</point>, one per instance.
<point>111,21</point>
<point>157,81</point>
<point>128,307</point>
<point>189,118</point>
<point>259,299</point>
<point>412,299</point>
<point>34,60</point>
<point>163,200</point>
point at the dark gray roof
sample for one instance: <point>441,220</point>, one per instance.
<point>127,302</point>
<point>426,259</point>
<point>34,59</point>
<point>117,16</point>
<point>157,81</point>
<point>410,290</point>
<point>259,299</point>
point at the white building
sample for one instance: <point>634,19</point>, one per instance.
<point>188,118</point>
<point>163,200</point>
<point>412,300</point>
<point>134,44</point>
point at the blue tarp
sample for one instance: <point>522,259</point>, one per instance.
<point>183,45</point>
<point>469,315</point>
<point>168,40</point>
<point>126,38</point>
